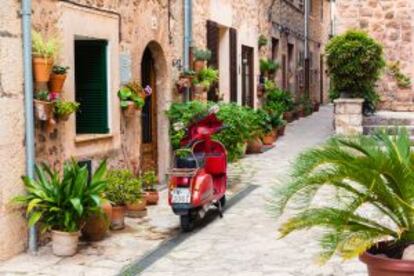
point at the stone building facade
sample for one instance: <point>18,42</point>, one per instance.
<point>142,41</point>
<point>392,24</point>
<point>12,152</point>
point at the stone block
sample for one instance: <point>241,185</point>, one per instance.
<point>13,234</point>
<point>348,116</point>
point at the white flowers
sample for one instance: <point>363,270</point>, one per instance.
<point>178,126</point>
<point>214,109</point>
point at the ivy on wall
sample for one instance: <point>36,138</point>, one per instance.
<point>394,69</point>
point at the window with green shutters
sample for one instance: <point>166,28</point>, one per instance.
<point>91,89</point>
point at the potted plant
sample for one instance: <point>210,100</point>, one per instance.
<point>43,106</point>
<point>63,109</point>
<point>149,182</point>
<point>57,78</point>
<point>60,202</point>
<point>281,128</point>
<point>44,52</point>
<point>185,80</point>
<point>365,173</point>
<point>265,123</point>
<point>316,106</point>
<point>96,225</point>
<point>262,41</point>
<point>307,105</point>
<point>201,56</point>
<point>117,192</point>
<point>132,98</point>
<point>355,77</point>
<point>204,79</point>
<point>135,201</point>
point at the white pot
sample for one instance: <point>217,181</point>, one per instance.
<point>65,243</point>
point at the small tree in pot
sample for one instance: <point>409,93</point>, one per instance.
<point>61,203</point>
<point>374,174</point>
<point>355,61</point>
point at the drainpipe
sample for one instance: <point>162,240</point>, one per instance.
<point>307,85</point>
<point>187,40</point>
<point>28,103</point>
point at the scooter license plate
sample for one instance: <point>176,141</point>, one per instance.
<point>181,195</point>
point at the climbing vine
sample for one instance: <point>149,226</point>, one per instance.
<point>394,69</point>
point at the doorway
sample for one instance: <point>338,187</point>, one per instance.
<point>149,153</point>
<point>247,76</point>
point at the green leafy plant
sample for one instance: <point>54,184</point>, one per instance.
<point>278,101</point>
<point>206,77</point>
<point>394,69</point>
<point>183,153</point>
<point>149,180</point>
<point>375,172</point>
<point>131,92</point>
<point>62,201</point>
<point>123,187</point>
<point>262,40</point>
<point>188,73</point>
<point>44,48</point>
<point>355,62</point>
<point>65,108</point>
<point>307,104</point>
<point>268,66</point>
<point>42,95</point>
<point>202,54</point>
<point>60,70</point>
<point>262,122</point>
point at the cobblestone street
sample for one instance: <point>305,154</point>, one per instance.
<point>245,241</point>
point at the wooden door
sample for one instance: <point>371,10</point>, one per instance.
<point>149,154</point>
<point>247,76</point>
<point>212,36</point>
<point>233,65</point>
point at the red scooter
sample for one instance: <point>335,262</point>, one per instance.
<point>199,180</point>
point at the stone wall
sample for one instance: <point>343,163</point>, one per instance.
<point>13,231</point>
<point>391,23</point>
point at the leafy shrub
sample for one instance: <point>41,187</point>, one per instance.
<point>354,63</point>
<point>376,172</point>
<point>65,108</point>
<point>278,101</point>
<point>206,77</point>
<point>268,66</point>
<point>149,180</point>
<point>132,92</point>
<point>201,54</point>
<point>123,187</point>
<point>44,48</point>
<point>61,202</point>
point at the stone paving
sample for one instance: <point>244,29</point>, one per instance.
<point>244,242</point>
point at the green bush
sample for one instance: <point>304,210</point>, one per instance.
<point>123,187</point>
<point>278,101</point>
<point>206,77</point>
<point>62,201</point>
<point>65,108</point>
<point>354,63</point>
<point>202,54</point>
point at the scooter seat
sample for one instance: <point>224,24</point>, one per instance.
<point>190,162</point>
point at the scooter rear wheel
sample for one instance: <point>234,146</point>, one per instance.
<point>187,223</point>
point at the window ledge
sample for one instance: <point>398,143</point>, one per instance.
<point>82,138</point>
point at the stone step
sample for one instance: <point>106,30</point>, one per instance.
<point>370,129</point>
<point>385,118</point>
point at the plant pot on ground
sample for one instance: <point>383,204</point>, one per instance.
<point>123,187</point>
<point>64,217</point>
<point>288,116</point>
<point>269,138</point>
<point>97,224</point>
<point>254,145</point>
<point>138,209</point>
<point>363,173</point>
<point>57,78</point>
<point>281,130</point>
<point>149,182</point>
<point>43,52</point>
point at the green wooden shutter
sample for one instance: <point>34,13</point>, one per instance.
<point>91,86</point>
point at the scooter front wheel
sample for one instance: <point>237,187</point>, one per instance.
<point>187,223</point>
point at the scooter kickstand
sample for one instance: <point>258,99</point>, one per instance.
<point>220,209</point>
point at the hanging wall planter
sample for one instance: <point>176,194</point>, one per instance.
<point>43,110</point>
<point>57,78</point>
<point>44,51</point>
<point>42,68</point>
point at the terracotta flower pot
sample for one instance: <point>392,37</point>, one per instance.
<point>199,65</point>
<point>130,111</point>
<point>43,110</point>
<point>97,225</point>
<point>137,209</point>
<point>281,131</point>
<point>42,68</point>
<point>65,243</point>
<point>199,89</point>
<point>268,139</point>
<point>288,116</point>
<point>378,265</point>
<point>56,82</point>
<point>118,218</point>
<point>301,112</point>
<point>152,197</point>
<point>254,146</point>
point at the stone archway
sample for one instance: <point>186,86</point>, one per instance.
<point>155,145</point>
